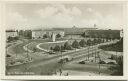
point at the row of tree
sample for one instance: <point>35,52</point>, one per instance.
<point>9,39</point>
<point>106,34</point>
<point>118,68</point>
<point>113,47</point>
<point>76,44</point>
<point>46,36</point>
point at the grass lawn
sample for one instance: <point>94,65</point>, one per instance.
<point>49,45</point>
<point>47,69</point>
<point>34,43</point>
<point>18,49</point>
<point>32,46</point>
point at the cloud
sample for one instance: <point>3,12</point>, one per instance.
<point>63,16</point>
<point>76,12</point>
<point>59,15</point>
<point>47,12</point>
<point>14,19</point>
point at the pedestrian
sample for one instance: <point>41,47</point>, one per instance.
<point>60,71</point>
<point>67,74</point>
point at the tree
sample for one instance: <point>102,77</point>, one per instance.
<point>62,47</point>
<point>89,42</point>
<point>45,36</point>
<point>16,38</point>
<point>83,34</point>
<point>82,43</point>
<point>57,48</point>
<point>34,49</point>
<point>113,47</point>
<point>75,44</point>
<point>51,48</point>
<point>99,40</point>
<point>95,41</point>
<point>9,39</point>
<point>95,35</point>
<point>67,46</point>
<point>58,35</point>
<point>118,68</point>
<point>102,40</point>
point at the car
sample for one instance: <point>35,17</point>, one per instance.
<point>63,50</point>
<point>65,59</point>
<point>62,61</point>
<point>102,62</point>
<point>51,52</point>
<point>82,62</point>
<point>111,63</point>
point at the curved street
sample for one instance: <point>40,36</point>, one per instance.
<point>50,61</point>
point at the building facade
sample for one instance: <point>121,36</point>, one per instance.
<point>121,34</point>
<point>36,34</point>
<point>11,34</point>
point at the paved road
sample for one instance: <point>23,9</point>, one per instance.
<point>42,62</point>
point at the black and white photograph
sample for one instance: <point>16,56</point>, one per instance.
<point>64,38</point>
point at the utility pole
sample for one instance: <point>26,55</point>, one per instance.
<point>116,55</point>
<point>99,62</point>
<point>95,54</point>
<point>27,53</point>
<point>88,52</point>
<point>61,61</point>
<point>92,50</point>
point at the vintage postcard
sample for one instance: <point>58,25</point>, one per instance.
<point>63,39</point>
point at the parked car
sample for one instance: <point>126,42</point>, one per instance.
<point>65,59</point>
<point>82,62</point>
<point>111,63</point>
<point>51,52</point>
<point>102,62</point>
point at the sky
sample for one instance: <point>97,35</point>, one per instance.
<point>48,15</point>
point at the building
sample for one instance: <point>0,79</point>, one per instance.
<point>51,31</point>
<point>74,30</point>
<point>121,34</point>
<point>47,33</point>
<point>25,34</point>
<point>11,33</point>
<point>38,34</point>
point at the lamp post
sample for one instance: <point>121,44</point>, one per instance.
<point>88,52</point>
<point>61,61</point>
<point>27,53</point>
